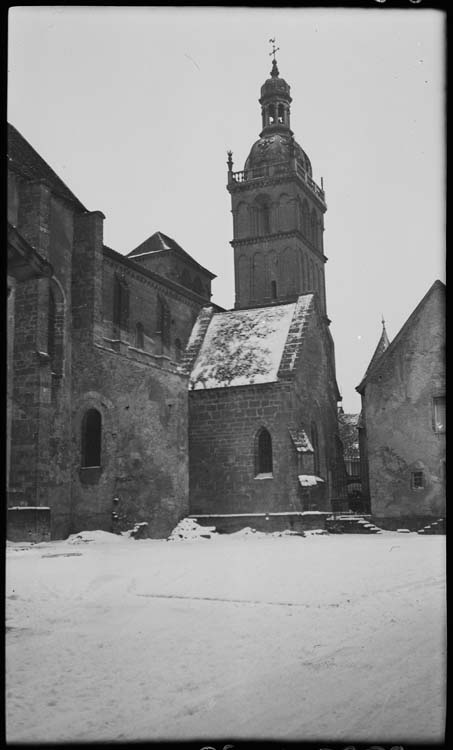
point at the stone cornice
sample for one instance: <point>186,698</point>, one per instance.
<point>259,182</point>
<point>279,236</point>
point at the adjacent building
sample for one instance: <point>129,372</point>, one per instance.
<point>402,427</point>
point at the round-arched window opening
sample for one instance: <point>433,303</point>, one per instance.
<point>263,452</point>
<point>91,438</point>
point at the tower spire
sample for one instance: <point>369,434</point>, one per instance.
<point>275,71</point>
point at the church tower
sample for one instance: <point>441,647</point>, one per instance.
<point>277,210</point>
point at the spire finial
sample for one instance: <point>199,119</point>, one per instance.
<point>382,321</point>
<point>274,71</point>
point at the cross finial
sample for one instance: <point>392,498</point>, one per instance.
<point>274,48</point>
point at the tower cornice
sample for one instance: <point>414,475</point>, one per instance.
<point>278,174</point>
<point>294,233</point>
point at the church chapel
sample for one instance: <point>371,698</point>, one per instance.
<point>263,430</point>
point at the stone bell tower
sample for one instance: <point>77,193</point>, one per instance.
<point>278,211</point>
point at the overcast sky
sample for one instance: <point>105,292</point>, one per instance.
<point>135,109</point>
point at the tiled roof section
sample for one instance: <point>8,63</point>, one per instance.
<point>242,347</point>
<point>160,242</point>
<point>300,440</point>
<point>23,158</point>
<point>304,307</point>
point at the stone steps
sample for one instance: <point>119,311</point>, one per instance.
<point>350,525</point>
<point>436,527</point>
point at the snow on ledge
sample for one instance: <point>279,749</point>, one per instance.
<point>309,480</point>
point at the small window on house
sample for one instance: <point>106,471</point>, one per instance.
<point>91,438</point>
<point>417,480</point>
<point>274,289</point>
<point>439,413</point>
<point>263,453</point>
<point>139,336</point>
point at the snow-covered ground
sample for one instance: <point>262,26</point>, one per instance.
<point>241,636</point>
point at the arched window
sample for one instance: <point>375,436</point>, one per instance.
<point>315,444</point>
<point>313,227</point>
<point>305,219</point>
<point>263,452</point>
<point>178,349</point>
<point>55,331</point>
<point>273,289</point>
<point>120,304</point>
<point>91,438</point>
<point>139,336</point>
<point>163,320</point>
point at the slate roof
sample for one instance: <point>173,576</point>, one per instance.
<point>244,347</point>
<point>160,242</point>
<point>23,158</point>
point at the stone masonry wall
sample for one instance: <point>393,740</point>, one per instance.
<point>143,308</point>
<point>398,406</point>
<point>144,456</point>
<point>223,423</point>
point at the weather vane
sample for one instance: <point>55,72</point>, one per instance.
<point>274,48</point>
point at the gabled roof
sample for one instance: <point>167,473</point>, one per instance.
<point>24,159</point>
<point>161,243</point>
<point>245,347</point>
<point>377,365</point>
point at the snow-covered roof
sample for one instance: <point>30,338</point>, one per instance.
<point>243,347</point>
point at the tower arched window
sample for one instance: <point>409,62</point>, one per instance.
<point>281,114</point>
<point>91,438</point>
<point>305,219</point>
<point>273,290</point>
<point>313,227</point>
<point>263,452</point>
<point>178,350</point>
<point>139,336</point>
